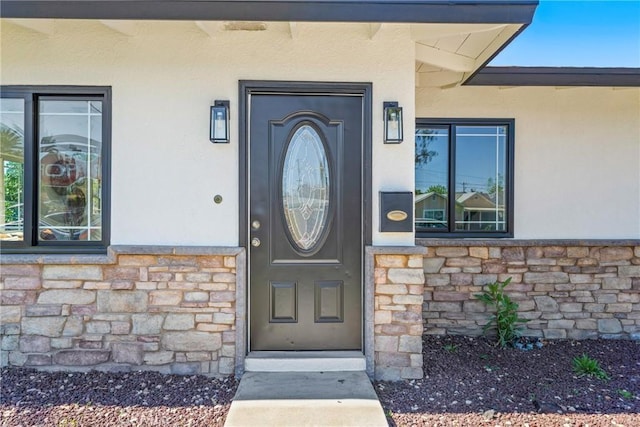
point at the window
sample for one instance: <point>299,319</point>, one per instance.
<point>464,178</point>
<point>55,159</point>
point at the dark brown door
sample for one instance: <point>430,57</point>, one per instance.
<point>305,221</point>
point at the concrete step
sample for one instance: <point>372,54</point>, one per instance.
<point>304,361</point>
<point>298,399</point>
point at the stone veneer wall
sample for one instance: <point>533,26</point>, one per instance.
<point>397,312</point>
<point>165,309</point>
<point>566,289</point>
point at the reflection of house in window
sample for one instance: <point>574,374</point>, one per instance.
<point>475,211</point>
<point>480,212</point>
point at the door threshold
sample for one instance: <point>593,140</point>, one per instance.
<point>304,361</point>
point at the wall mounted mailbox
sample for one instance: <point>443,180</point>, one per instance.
<point>396,211</point>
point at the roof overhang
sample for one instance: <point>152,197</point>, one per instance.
<point>407,11</point>
<point>556,76</point>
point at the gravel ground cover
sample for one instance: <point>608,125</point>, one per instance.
<point>471,382</point>
<point>31,398</point>
<point>468,382</point>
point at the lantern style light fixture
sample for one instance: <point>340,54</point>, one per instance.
<point>219,122</point>
<point>392,123</point>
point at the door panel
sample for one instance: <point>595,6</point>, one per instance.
<point>305,221</point>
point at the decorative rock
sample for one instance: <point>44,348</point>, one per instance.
<point>9,314</point>
<point>179,322</point>
<point>185,368</point>
<point>73,326</point>
<point>452,252</point>
<point>131,353</point>
<point>46,326</point>
<point>609,326</point>
<point>98,327</point>
<point>81,357</point>
<point>22,283</point>
<point>390,260</point>
<point>224,318</point>
<point>629,271</point>
<point>122,301</point>
<point>616,283</point>
<point>171,298</point>
<point>9,342</point>
<point>158,357</point>
<point>432,265</point>
<point>550,277</point>
<point>147,324</point>
<point>222,297</point>
<point>405,299</point>
<point>386,343</point>
<point>409,344</point>
<point>35,344</point>
<point>615,254</point>
<point>545,303</point>
<point>191,341</point>
<point>71,272</point>
<point>406,276</point>
<point>38,360</point>
<point>43,310</point>
<point>391,289</point>
<point>226,365</point>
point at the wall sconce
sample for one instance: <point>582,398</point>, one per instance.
<point>392,123</point>
<point>219,122</point>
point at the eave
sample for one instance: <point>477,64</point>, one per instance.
<point>556,76</point>
<point>407,11</point>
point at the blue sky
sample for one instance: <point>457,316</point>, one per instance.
<point>578,33</point>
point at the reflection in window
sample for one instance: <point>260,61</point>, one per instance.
<point>468,192</point>
<point>70,180</point>
<point>12,161</point>
<point>432,178</point>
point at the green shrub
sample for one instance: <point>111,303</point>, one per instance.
<point>505,321</point>
<point>586,366</point>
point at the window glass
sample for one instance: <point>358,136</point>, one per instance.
<point>432,178</point>
<point>70,181</point>
<point>12,160</point>
<point>472,180</point>
<point>480,178</point>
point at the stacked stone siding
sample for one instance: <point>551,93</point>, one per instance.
<point>573,290</point>
<point>161,309</point>
<point>399,281</point>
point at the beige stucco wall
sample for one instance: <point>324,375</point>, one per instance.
<point>577,156</point>
<point>165,171</point>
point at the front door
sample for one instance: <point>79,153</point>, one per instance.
<point>305,227</point>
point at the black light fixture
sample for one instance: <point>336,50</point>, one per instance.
<point>392,123</point>
<point>219,122</point>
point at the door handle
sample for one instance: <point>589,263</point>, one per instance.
<point>255,242</point>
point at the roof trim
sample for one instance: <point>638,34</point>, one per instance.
<point>413,11</point>
<point>556,76</point>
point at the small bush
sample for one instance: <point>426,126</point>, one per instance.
<point>587,366</point>
<point>506,321</point>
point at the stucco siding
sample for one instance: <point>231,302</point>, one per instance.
<point>165,172</point>
<point>577,155</point>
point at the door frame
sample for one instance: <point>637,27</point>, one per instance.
<point>249,87</point>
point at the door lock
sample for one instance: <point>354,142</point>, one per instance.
<point>255,225</point>
<point>255,242</point>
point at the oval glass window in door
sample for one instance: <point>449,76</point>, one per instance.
<point>305,189</point>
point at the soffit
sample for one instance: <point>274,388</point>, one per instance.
<point>448,55</point>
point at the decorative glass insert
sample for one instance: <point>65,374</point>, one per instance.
<point>12,161</point>
<point>70,178</point>
<point>305,188</point>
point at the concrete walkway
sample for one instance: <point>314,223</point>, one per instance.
<point>297,399</point>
